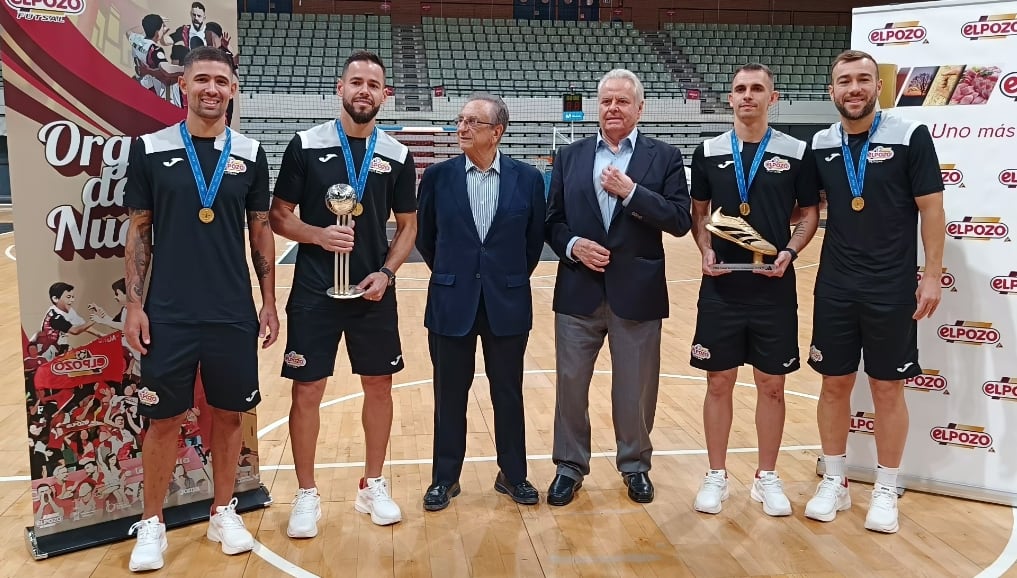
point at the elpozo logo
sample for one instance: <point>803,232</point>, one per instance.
<point>880,154</point>
<point>1005,389</point>
<point>1008,178</point>
<point>81,364</point>
<point>962,436</point>
<point>47,10</point>
<point>1008,86</point>
<point>970,332</point>
<point>777,165</point>
<point>899,34</point>
<point>863,423</point>
<point>1005,284</point>
<point>946,279</point>
<point>928,380</point>
<point>996,26</point>
<point>952,177</point>
<point>979,229</point>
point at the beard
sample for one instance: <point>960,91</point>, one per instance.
<point>360,117</point>
<point>870,105</point>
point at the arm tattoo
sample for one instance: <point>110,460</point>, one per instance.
<point>257,218</point>
<point>258,225</point>
<point>262,266</point>
<point>799,232</point>
<point>138,253</point>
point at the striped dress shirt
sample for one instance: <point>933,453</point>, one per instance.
<point>482,187</point>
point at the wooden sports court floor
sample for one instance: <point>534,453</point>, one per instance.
<point>602,533</point>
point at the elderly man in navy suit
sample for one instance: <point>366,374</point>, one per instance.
<point>480,231</point>
<point>612,197</point>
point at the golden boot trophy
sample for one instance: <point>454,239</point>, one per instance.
<point>736,230</point>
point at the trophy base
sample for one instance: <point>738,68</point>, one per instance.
<point>352,292</point>
<point>745,267</point>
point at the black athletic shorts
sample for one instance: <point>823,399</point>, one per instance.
<point>372,338</point>
<point>225,353</point>
<point>730,335</point>
<point>844,331</point>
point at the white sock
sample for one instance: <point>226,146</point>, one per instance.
<point>764,472</point>
<point>835,465</point>
<point>886,476</point>
<point>721,472</point>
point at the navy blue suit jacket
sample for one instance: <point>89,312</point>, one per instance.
<point>462,266</point>
<point>633,283</point>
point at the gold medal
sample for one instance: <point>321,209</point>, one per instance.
<point>857,203</point>
<point>744,209</point>
<point>358,210</point>
<point>206,215</point>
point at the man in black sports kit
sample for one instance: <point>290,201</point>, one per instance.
<point>745,317</point>
<point>880,173</point>
<point>189,189</point>
<point>354,151</point>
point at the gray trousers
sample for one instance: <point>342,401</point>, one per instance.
<point>635,375</point>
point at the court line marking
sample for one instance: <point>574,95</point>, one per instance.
<point>10,255</point>
<point>279,562</point>
<point>272,426</point>
<point>286,566</point>
<point>1007,558</point>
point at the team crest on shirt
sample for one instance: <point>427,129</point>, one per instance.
<point>147,396</point>
<point>880,154</point>
<point>294,359</point>
<point>815,354</point>
<point>700,352</point>
<point>380,165</point>
<point>235,166</point>
<point>777,165</point>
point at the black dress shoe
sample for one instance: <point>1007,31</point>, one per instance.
<point>438,496</point>
<point>562,490</point>
<point>640,487</point>
<point>521,493</point>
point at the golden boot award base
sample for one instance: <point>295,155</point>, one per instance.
<point>736,230</point>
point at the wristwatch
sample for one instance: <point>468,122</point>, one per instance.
<point>794,254</point>
<point>391,275</point>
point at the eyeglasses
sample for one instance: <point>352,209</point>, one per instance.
<point>470,123</point>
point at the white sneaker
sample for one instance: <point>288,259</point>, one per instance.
<point>228,528</point>
<point>832,496</point>
<point>712,492</point>
<point>376,501</point>
<point>305,515</point>
<point>882,516</point>
<point>768,489</point>
<point>151,543</point>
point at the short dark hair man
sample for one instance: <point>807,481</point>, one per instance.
<point>189,188</point>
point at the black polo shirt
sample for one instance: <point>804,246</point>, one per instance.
<point>871,255</point>
<point>312,163</point>
<point>200,272</point>
<point>786,176</point>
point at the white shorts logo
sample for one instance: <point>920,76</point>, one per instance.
<point>700,352</point>
<point>294,359</point>
<point>147,396</point>
<point>815,354</point>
